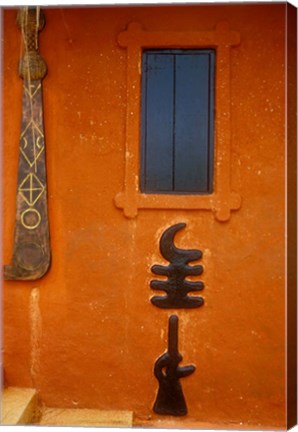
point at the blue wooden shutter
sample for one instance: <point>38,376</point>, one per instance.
<point>177,121</point>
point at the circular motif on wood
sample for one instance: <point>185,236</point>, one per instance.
<point>29,256</point>
<point>30,218</point>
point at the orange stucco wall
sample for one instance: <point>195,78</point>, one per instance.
<point>86,334</point>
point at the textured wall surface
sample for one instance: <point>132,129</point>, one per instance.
<point>86,334</point>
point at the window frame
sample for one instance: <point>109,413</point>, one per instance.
<point>222,200</point>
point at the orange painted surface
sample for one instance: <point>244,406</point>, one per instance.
<point>86,334</point>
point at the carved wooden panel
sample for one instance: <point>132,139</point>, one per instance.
<point>31,252</point>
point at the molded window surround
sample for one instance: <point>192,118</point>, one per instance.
<point>222,200</point>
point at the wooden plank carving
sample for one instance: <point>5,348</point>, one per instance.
<point>31,252</point>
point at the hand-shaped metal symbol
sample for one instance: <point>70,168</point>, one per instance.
<point>170,399</point>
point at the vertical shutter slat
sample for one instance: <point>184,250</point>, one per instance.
<point>192,123</point>
<point>157,110</point>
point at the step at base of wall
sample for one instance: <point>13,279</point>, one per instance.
<point>85,417</point>
<point>18,406</point>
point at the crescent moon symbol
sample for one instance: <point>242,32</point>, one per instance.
<point>170,252</point>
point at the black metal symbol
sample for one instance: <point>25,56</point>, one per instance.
<point>176,287</point>
<point>170,399</point>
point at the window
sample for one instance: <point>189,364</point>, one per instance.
<point>177,121</point>
<point>212,190</point>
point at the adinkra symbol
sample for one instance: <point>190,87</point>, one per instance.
<point>176,287</point>
<point>170,399</point>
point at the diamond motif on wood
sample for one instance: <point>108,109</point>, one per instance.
<point>31,189</point>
